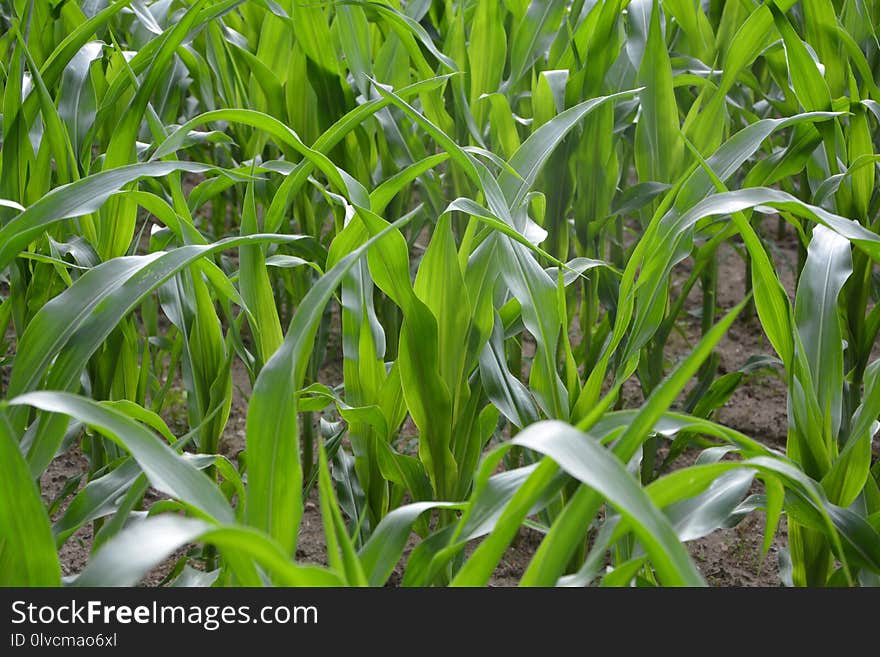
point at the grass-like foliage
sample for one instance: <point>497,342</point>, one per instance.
<point>417,252</point>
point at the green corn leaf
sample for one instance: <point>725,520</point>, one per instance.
<point>535,150</point>
<point>659,149</point>
<point>487,53</point>
<point>340,549</point>
<point>532,36</point>
<point>77,104</point>
<point>849,471</point>
<point>440,285</point>
<point>313,35</point>
<point>736,201</point>
<point>381,553</point>
<point>268,124</point>
<point>505,390</point>
<point>125,559</point>
<point>513,510</point>
<point>274,502</point>
<point>384,193</point>
<point>705,126</point>
<point>72,327</point>
<point>166,470</point>
<point>56,136</point>
<point>731,156</point>
<point>860,145</point>
<point>79,198</point>
<point>550,559</point>
<point>820,23</point>
<point>354,37</point>
<point>97,302</point>
<point>116,230</point>
<point>828,266</point>
<point>695,25</point>
<point>427,393</point>
<point>809,85</point>
<point>97,499</point>
<point>27,552</point>
<point>594,465</point>
<point>256,288</point>
<point>700,515</point>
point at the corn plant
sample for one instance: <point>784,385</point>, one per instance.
<point>439,240</point>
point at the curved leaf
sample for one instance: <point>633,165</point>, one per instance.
<point>166,470</point>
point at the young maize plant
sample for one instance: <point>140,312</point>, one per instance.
<point>433,262</point>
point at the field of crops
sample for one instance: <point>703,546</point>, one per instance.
<point>439,292</point>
